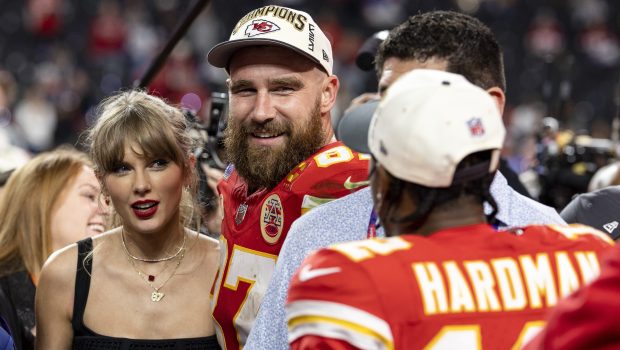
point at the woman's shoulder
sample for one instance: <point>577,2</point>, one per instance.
<point>61,258</point>
<point>59,270</point>
<point>203,242</point>
<point>62,263</point>
<point>207,241</point>
<point>206,246</point>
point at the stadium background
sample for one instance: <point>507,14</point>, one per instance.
<point>59,58</point>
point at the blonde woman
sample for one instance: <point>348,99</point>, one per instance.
<point>48,203</point>
<point>144,284</point>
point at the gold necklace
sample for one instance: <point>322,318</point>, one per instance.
<point>152,260</point>
<point>156,295</point>
<point>150,277</point>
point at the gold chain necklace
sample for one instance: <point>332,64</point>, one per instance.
<point>152,260</point>
<point>151,277</point>
<point>156,295</point>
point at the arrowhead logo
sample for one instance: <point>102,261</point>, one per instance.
<point>306,272</point>
<point>349,185</point>
<point>261,26</point>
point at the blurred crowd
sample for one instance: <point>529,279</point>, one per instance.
<point>59,58</point>
<point>67,69</point>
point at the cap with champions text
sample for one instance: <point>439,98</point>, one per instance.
<point>279,26</point>
<point>428,122</point>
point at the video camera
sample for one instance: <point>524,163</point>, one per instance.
<point>208,136</point>
<point>566,164</point>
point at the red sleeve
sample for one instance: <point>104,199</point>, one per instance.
<point>588,319</point>
<point>332,297</point>
<point>332,172</point>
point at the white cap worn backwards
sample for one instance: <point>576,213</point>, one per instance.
<point>430,120</point>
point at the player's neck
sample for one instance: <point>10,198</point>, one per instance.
<point>464,211</point>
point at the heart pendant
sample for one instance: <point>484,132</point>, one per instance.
<point>156,296</point>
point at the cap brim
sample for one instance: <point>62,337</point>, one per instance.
<point>220,54</point>
<point>353,126</point>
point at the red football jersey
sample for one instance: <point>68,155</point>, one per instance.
<point>255,226</point>
<point>587,319</point>
<point>470,287</point>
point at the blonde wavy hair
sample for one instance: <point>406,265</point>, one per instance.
<point>29,197</point>
<point>158,127</point>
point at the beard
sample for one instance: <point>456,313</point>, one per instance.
<point>263,166</point>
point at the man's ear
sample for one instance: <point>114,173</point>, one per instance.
<point>499,97</point>
<point>329,93</point>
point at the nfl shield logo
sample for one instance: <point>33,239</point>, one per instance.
<point>475,127</point>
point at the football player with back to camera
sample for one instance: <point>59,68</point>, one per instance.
<point>441,40</point>
<point>445,278</point>
<point>285,159</point>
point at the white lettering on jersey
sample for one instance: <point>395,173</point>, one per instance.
<point>503,284</point>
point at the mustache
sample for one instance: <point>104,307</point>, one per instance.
<point>270,127</point>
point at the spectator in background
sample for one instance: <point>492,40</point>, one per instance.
<point>150,275</point>
<point>608,175</point>
<point>108,31</point>
<point>285,159</point>
<point>36,119</point>
<point>48,203</point>
<point>440,40</point>
<point>11,157</point>
<point>445,278</point>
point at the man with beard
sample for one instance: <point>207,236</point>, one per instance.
<point>281,144</point>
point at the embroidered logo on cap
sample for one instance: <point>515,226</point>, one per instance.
<point>475,127</point>
<point>272,219</point>
<point>610,226</point>
<point>260,26</point>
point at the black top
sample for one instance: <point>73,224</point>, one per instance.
<point>17,307</point>
<point>85,339</point>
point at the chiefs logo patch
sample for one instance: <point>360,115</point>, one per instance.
<point>272,219</point>
<point>260,26</point>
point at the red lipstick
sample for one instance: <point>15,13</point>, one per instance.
<point>144,209</point>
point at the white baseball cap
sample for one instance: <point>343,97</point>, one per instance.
<point>430,120</point>
<point>279,26</point>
